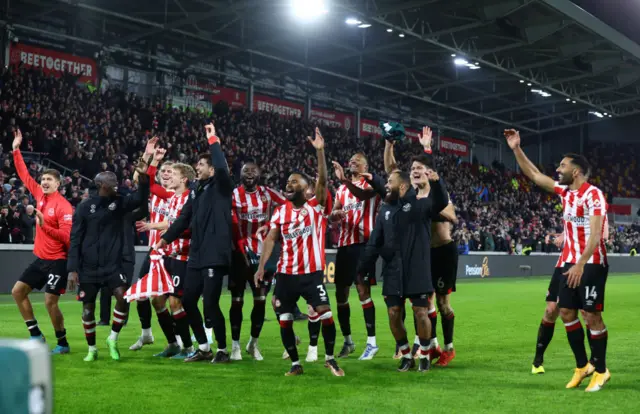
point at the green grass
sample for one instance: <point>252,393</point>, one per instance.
<point>496,325</point>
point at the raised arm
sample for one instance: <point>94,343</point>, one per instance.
<point>21,167</point>
<point>528,168</point>
<point>138,198</point>
<point>390,164</point>
<point>321,185</point>
<point>155,188</point>
<point>218,161</point>
<point>359,193</point>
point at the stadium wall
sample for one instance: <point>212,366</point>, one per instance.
<point>16,258</point>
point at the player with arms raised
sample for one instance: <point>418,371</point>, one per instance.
<point>355,209</point>
<point>300,225</point>
<point>54,216</point>
<point>252,204</point>
<point>158,210</point>
<point>584,256</point>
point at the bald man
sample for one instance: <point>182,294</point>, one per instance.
<point>96,255</point>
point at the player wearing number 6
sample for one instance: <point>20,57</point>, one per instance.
<point>584,256</point>
<point>49,270</point>
<point>300,224</point>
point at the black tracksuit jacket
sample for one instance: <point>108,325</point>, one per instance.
<point>207,213</point>
<point>402,238</point>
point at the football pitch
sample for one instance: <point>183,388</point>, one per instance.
<point>495,332</point>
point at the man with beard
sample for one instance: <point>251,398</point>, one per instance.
<point>252,204</point>
<point>402,238</point>
<point>208,215</point>
<point>313,320</point>
<point>444,254</point>
<point>301,226</point>
<point>355,210</point>
<point>584,256</point>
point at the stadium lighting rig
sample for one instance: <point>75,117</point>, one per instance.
<point>309,9</point>
<point>542,93</point>
<point>464,62</point>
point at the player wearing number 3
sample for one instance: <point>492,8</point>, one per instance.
<point>300,225</point>
<point>49,270</point>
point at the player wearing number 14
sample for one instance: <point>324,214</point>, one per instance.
<point>584,256</point>
<point>48,271</point>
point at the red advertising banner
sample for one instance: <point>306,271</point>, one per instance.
<point>53,62</point>
<point>454,146</point>
<point>283,108</point>
<point>204,89</point>
<point>370,127</point>
<point>334,119</point>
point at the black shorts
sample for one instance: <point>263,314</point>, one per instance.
<point>241,274</point>
<point>289,288</point>
<point>177,269</point>
<point>347,260</point>
<point>589,296</point>
<point>444,268</point>
<point>48,274</point>
<point>554,285</point>
<point>420,300</point>
<point>88,291</point>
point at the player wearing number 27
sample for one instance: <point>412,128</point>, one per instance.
<point>300,224</point>
<point>48,271</point>
<point>584,256</point>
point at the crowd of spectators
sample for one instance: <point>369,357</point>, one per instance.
<point>89,132</point>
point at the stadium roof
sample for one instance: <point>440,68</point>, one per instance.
<point>584,71</point>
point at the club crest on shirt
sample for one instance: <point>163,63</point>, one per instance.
<point>92,208</point>
<point>406,208</point>
<point>51,213</point>
<point>112,206</point>
<point>304,213</point>
<point>264,199</point>
<point>386,215</point>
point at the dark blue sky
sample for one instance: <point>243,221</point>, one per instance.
<point>622,15</point>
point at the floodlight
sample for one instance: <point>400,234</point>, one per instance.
<point>364,25</point>
<point>353,22</point>
<point>460,62</point>
<point>521,81</point>
<point>389,30</point>
<point>309,9</point>
<point>401,35</point>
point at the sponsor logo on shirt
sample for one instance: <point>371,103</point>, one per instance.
<point>51,212</point>
<point>353,206</point>
<point>254,216</point>
<point>578,221</point>
<point>298,233</point>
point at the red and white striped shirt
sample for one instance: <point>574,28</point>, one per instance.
<point>360,215</point>
<point>579,206</point>
<point>158,212</point>
<point>158,205</point>
<point>253,210</point>
<point>302,232</point>
<point>179,249</point>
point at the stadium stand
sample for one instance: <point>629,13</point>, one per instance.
<point>82,132</point>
